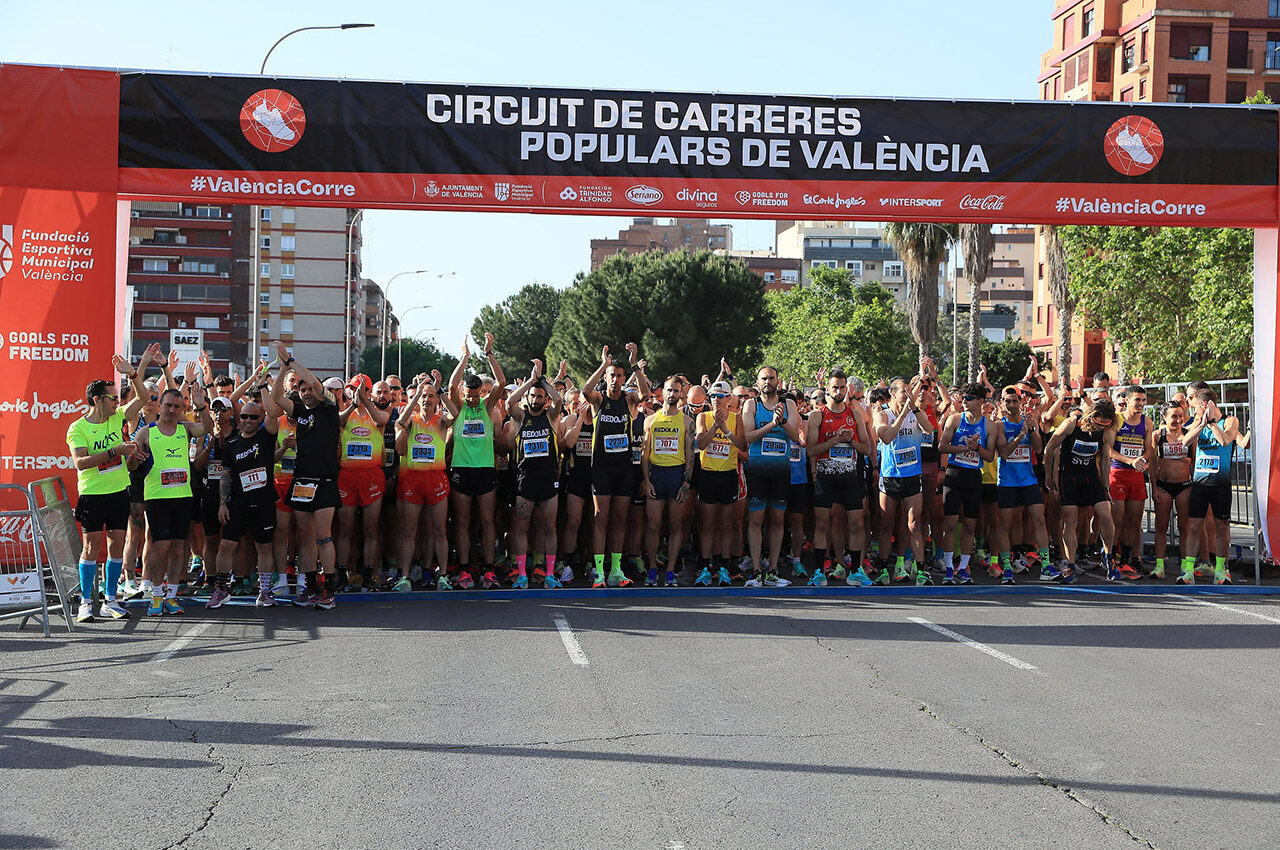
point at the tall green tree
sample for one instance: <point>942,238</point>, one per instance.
<point>977,243</point>
<point>837,322</point>
<point>419,357</point>
<point>1058,281</point>
<point>922,246</point>
<point>521,326</point>
<point>685,311</point>
<point>1178,300</point>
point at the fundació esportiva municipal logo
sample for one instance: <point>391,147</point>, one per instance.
<point>1133,145</point>
<point>6,249</point>
<point>272,120</point>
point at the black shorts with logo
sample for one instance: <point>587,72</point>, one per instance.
<point>962,492</point>
<point>537,488</point>
<point>1013,497</point>
<point>313,494</point>
<point>845,490</point>
<point>103,510</point>
<point>168,519</point>
<point>718,487</point>
<point>473,480</point>
<point>613,479</point>
<point>1209,496</point>
<point>256,518</point>
<point>1083,491</point>
<point>900,488</point>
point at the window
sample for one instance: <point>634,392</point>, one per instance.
<point>264,270</point>
<point>264,297</point>
<point>286,326</point>
<point>1044,91</point>
<point>1273,9</point>
<point>1188,89</point>
<point>265,326</point>
<point>828,264</point>
<point>1191,43</point>
<point>209,323</point>
<point>1068,30</point>
<point>155,320</point>
<point>854,266</point>
<point>1142,49</point>
<point>1040,313</point>
<point>286,299</point>
<point>200,266</point>
<point>155,265</point>
<point>1273,51</point>
<point>768,277</point>
<point>1086,22</point>
<point>288,215</point>
<point>1057,87</point>
<point>1142,89</point>
<point>1236,91</point>
<point>208,212</point>
<point>265,242</point>
<point>286,243</point>
<point>1238,49</point>
<point>194,292</point>
<point>1105,57</point>
<point>286,270</point>
<point>1128,55</point>
<point>790,275</point>
<point>893,269</point>
<point>265,213</point>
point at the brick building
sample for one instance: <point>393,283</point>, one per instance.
<point>647,234</point>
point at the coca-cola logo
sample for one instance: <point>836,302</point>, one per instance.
<point>990,202</point>
<point>16,530</point>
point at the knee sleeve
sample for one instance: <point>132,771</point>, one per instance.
<point>323,540</point>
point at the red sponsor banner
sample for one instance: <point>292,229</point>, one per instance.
<point>1047,203</point>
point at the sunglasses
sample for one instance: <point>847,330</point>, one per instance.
<point>718,395</point>
<point>112,397</point>
<point>969,398</point>
<point>249,417</point>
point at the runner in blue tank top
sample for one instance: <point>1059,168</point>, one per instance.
<point>1214,436</point>
<point>966,440</point>
<point>1018,443</point>
<point>900,429</point>
<point>771,426</point>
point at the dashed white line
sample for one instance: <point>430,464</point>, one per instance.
<point>1230,608</point>
<point>175,647</point>
<point>571,645</point>
<point>973,644</point>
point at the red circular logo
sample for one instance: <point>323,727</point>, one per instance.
<point>272,120</point>
<point>1134,145</point>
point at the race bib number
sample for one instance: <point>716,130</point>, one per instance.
<point>583,448</point>
<point>666,445</point>
<point>359,451</point>
<point>537,448</point>
<point>173,477</point>
<point>1207,463</point>
<point>1131,451</point>
<point>616,443</point>
<point>1174,450</point>
<point>303,493</point>
<point>473,428</point>
<point>773,447</point>
<point>424,454</point>
<point>719,449</point>
<point>841,451</point>
<point>906,457</point>
<point>253,479</point>
<point>287,463</point>
<point>109,466</point>
<point>1084,452</point>
<point>214,470</point>
<point>1022,454</point>
<point>797,453</point>
<point>967,458</point>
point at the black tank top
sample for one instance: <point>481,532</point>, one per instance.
<point>611,440</point>
<point>1080,452</point>
<point>536,451</point>
<point>317,436</point>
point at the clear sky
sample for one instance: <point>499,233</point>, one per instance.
<point>978,49</point>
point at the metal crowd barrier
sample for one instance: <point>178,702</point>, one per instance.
<point>26,560</point>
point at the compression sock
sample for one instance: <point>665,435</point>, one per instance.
<point>264,582</point>
<point>88,572</point>
<point>615,562</point>
<point>599,561</point>
<point>1044,556</point>
<point>114,567</point>
<point>551,565</point>
<point>1006,564</point>
<point>964,562</point>
<point>855,559</point>
<point>521,562</point>
<point>820,558</point>
<point>946,559</point>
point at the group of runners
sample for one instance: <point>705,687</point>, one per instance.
<point>194,482</point>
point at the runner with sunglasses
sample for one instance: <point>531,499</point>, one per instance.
<point>968,443</point>
<point>1076,454</point>
<point>1019,496</point>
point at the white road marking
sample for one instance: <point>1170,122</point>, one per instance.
<point>1230,608</point>
<point>177,646</point>
<point>571,645</point>
<point>973,644</point>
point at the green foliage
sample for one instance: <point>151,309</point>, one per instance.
<point>684,310</point>
<point>418,357</point>
<point>837,322</point>
<point>1006,361</point>
<point>1179,301</point>
<point>521,326</point>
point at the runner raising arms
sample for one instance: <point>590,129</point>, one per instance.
<point>1214,436</point>
<point>1018,493</point>
<point>901,429</point>
<point>361,481</point>
<point>534,435</point>
<point>422,482</point>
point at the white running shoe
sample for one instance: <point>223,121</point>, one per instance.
<point>566,575</point>
<point>85,613</point>
<point>271,119</point>
<point>111,608</point>
<point>1128,142</point>
<point>282,583</point>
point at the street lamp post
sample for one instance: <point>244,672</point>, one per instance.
<point>256,211</point>
<point>400,339</point>
<point>386,296</point>
<point>346,307</point>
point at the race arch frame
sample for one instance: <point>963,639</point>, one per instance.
<point>77,144</point>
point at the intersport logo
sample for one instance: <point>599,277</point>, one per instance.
<point>990,202</point>
<point>644,195</point>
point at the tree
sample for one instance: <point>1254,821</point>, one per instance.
<point>978,243</point>
<point>685,311</point>
<point>1178,301</point>
<point>922,246</point>
<point>1064,302</point>
<point>418,357</point>
<point>521,326</point>
<point>837,322</point>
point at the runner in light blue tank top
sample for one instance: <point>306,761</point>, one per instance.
<point>899,431</point>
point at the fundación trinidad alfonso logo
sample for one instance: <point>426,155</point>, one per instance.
<point>6,249</point>
<point>272,120</point>
<point>1133,145</point>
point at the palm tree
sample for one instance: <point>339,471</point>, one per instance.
<point>1060,291</point>
<point>922,246</point>
<point>978,243</point>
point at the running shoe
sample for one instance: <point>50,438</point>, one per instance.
<point>129,589</point>
<point>512,572</point>
<point>111,608</point>
<point>550,582</point>
<point>670,580</point>
<point>818,579</point>
<point>704,578</point>
<point>923,578</point>
<point>1020,565</point>
<point>1049,572</point>
<point>489,581</point>
<point>756,580</point>
<point>1157,572</point>
<point>443,583</point>
<point>1113,574</point>
<point>266,599</point>
<point>1203,570</point>
<point>520,582</point>
<point>722,577</point>
<point>949,577</point>
<point>1188,577</point>
<point>218,599</point>
<point>963,577</point>
<point>538,574</point>
<point>1129,573</point>
<point>994,570</point>
<point>859,578</point>
<point>355,585</point>
<point>156,608</point>
<point>281,584</point>
<point>900,574</point>
<point>85,613</point>
<point>465,580</point>
<point>772,580</point>
<point>617,578</point>
<point>1007,578</point>
<point>566,576</point>
<point>325,600</point>
<point>884,578</point>
<point>838,572</point>
<point>172,606</point>
<point>274,123</point>
<point>404,585</point>
<point>1222,576</point>
<point>597,578</point>
<point>797,569</point>
<point>1066,573</point>
<point>651,577</point>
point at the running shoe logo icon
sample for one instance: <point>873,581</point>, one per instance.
<point>1133,145</point>
<point>272,120</point>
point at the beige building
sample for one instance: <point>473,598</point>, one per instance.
<point>677,234</point>
<point>1009,288</point>
<point>856,246</point>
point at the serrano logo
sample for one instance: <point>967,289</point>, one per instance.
<point>6,249</point>
<point>645,195</point>
<point>1133,145</point>
<point>272,120</point>
<point>361,431</point>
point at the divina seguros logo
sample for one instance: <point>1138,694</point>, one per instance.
<point>272,120</point>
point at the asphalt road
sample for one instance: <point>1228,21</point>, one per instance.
<point>1093,720</point>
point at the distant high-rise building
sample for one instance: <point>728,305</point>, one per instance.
<point>1005,296</point>
<point>647,234</point>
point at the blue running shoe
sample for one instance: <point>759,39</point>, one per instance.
<point>1067,574</point>
<point>722,577</point>
<point>550,582</point>
<point>859,578</point>
<point>818,579</point>
<point>651,577</point>
<point>520,583</point>
<point>963,577</point>
<point>1050,573</point>
<point>1113,574</point>
<point>704,578</point>
<point>950,577</point>
<point>671,580</point>
<point>156,608</point>
<point>797,569</point>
